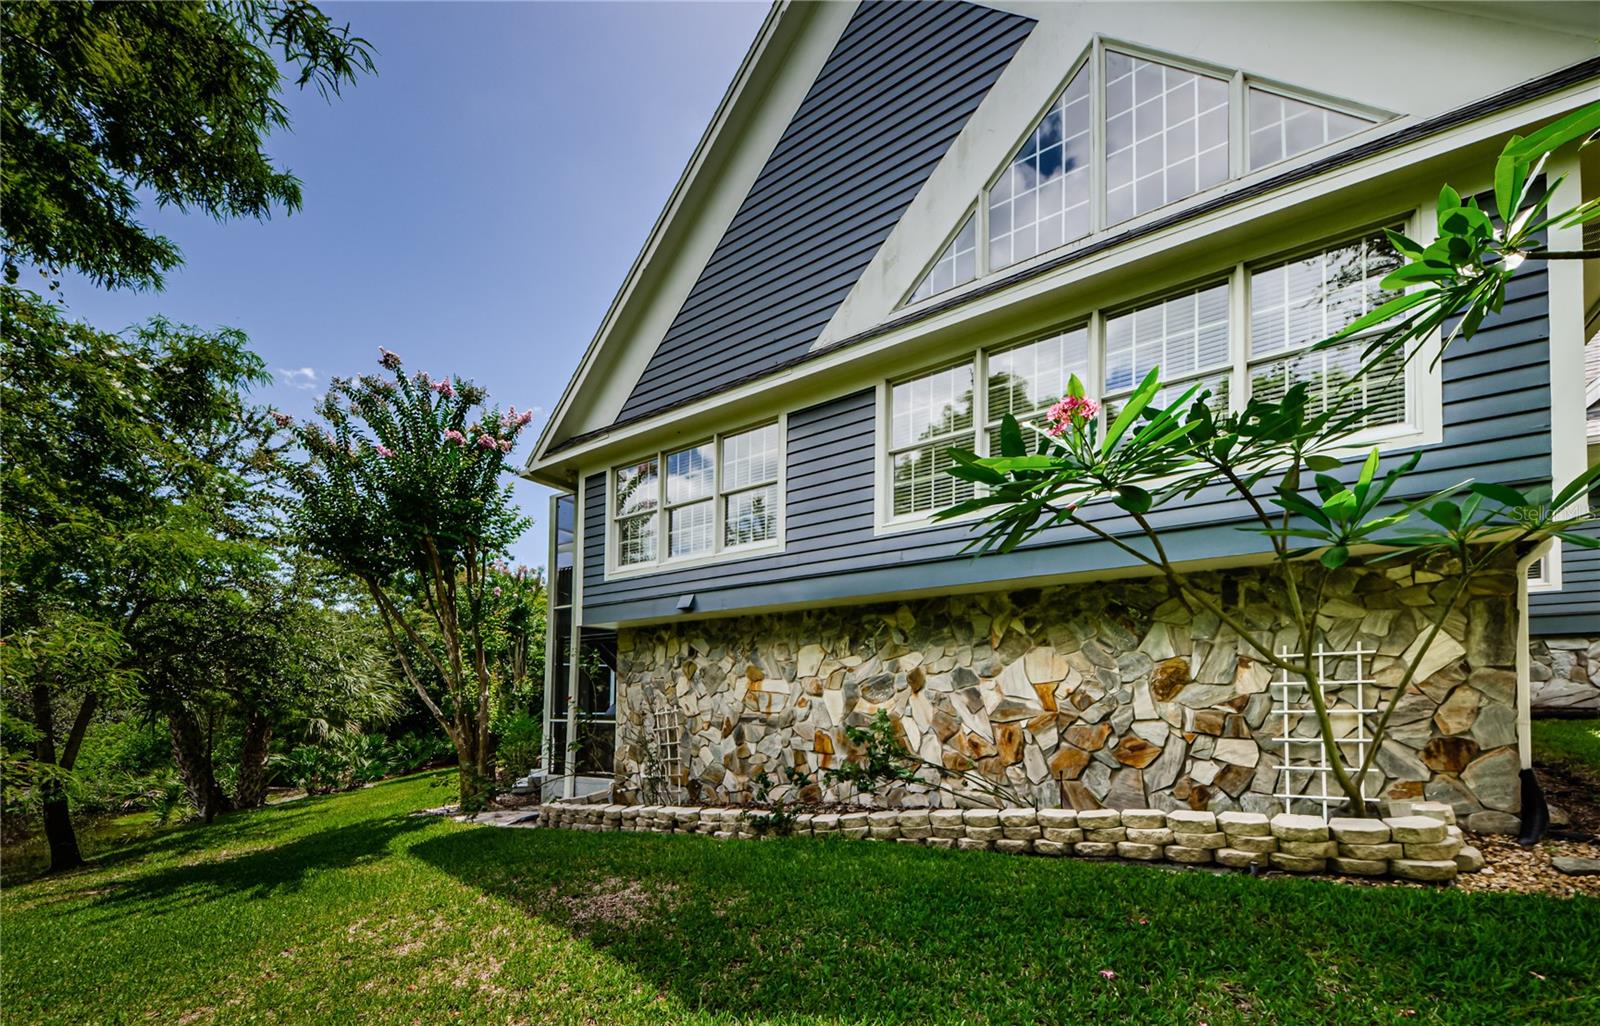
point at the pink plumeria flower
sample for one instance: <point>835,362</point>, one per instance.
<point>1070,410</point>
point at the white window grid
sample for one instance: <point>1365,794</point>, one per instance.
<point>1022,214</point>
<point>1167,133</point>
<point>1283,126</point>
<point>1187,334</point>
<point>1304,772</point>
<point>924,398</point>
<point>1044,366</point>
<point>703,511</point>
<point>1229,380</point>
<point>957,265</point>
<point>1041,199</point>
<point>1280,350</point>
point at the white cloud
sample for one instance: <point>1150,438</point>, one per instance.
<point>303,378</point>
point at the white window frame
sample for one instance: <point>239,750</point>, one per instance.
<point>1549,564</point>
<point>885,450</point>
<point>1371,115</point>
<point>1415,427</point>
<point>720,551</point>
<point>980,230</point>
<point>1092,60</point>
<point>1422,424</point>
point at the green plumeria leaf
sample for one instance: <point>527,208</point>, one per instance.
<point>1504,495</point>
<point>1133,499</point>
<point>1011,443</point>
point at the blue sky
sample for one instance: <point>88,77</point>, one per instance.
<point>473,207</point>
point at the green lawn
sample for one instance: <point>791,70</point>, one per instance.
<point>344,910</point>
<point>1575,742</point>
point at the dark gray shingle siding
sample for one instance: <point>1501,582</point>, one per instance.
<point>897,89</point>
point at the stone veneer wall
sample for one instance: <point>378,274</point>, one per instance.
<point>1096,695</point>
<point>1565,675</point>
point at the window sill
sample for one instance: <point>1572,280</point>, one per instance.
<point>728,555</point>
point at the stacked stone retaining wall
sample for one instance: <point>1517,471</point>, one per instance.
<point>1423,844</point>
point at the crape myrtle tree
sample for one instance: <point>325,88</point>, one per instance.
<point>401,489</point>
<point>1285,459</point>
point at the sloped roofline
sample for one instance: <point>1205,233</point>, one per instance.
<point>776,28</point>
<point>1540,86</point>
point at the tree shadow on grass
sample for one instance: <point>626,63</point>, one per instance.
<point>259,872</point>
<point>888,933</point>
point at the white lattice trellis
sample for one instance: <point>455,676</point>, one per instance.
<point>1304,772</point>
<point>663,726</point>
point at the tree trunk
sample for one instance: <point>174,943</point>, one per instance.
<point>474,785</point>
<point>58,830</point>
<point>190,752</point>
<point>251,792</point>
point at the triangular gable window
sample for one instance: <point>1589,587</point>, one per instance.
<point>957,265</point>
<point>1281,127</point>
<point>1165,134</point>
<point>1042,200</point>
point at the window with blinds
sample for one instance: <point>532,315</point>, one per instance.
<point>700,501</point>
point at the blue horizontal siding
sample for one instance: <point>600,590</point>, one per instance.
<point>891,98</point>
<point>1496,415</point>
<point>1575,609</point>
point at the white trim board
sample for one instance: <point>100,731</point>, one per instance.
<point>1311,207</point>
<point>783,61</point>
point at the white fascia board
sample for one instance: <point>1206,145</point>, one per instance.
<point>1139,267</point>
<point>776,73</point>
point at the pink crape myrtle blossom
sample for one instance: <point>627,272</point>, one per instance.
<point>281,419</point>
<point>505,445</point>
<point>383,450</point>
<point>1071,409</point>
<point>387,359</point>
<point>455,436</point>
<point>487,441</point>
<point>444,388</point>
<point>511,420</point>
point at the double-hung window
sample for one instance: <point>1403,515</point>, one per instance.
<point>929,416</point>
<point>717,496</point>
<point>1185,335</point>
<point>1248,332</point>
<point>1300,302</point>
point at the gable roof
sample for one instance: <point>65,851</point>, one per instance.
<point>603,406</point>
<point>898,87</point>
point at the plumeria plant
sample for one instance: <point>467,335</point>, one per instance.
<point>1287,460</point>
<point>402,488</point>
